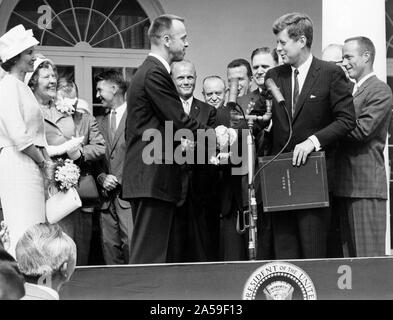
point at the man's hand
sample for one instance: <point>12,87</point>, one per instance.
<point>108,181</point>
<point>301,152</point>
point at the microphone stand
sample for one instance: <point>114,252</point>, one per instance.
<point>252,211</point>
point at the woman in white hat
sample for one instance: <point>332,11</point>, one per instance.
<point>24,163</point>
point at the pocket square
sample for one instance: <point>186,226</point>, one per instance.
<point>312,96</point>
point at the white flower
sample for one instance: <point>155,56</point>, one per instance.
<point>225,136</point>
<point>221,158</point>
<point>65,105</point>
<point>222,137</point>
<point>232,136</point>
<point>67,175</point>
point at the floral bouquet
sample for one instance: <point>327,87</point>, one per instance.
<point>66,174</point>
<point>65,198</point>
<point>66,105</point>
<point>225,138</point>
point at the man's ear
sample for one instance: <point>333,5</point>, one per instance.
<point>366,56</point>
<point>303,41</point>
<point>166,39</point>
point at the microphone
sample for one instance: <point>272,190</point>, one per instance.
<point>248,117</point>
<point>232,96</point>
<point>275,91</point>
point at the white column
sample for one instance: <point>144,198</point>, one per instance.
<point>342,19</point>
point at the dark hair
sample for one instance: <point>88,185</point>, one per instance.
<point>114,77</point>
<point>365,44</point>
<point>33,82</point>
<point>7,66</point>
<point>297,24</point>
<point>266,50</point>
<point>160,25</point>
<point>240,62</point>
<point>67,86</point>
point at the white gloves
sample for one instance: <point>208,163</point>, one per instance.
<point>71,147</point>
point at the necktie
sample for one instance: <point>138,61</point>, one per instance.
<point>186,107</point>
<point>295,90</point>
<point>113,124</point>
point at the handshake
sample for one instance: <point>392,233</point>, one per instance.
<point>71,147</point>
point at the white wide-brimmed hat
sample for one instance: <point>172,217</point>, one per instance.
<point>39,58</point>
<point>15,41</point>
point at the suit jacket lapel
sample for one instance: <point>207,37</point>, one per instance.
<point>119,130</point>
<point>287,89</point>
<point>312,74</point>
<point>194,110</point>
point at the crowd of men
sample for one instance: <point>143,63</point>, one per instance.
<point>169,212</point>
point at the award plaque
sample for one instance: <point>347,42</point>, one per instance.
<point>287,187</point>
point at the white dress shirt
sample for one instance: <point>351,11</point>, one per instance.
<point>187,105</point>
<point>120,112</point>
<point>303,71</point>
<point>162,60</point>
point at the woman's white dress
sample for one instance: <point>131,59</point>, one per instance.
<point>21,181</point>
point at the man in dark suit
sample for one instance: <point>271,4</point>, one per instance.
<point>115,218</point>
<point>192,211</point>
<point>321,110</point>
<point>152,181</point>
<point>214,90</point>
<point>361,175</point>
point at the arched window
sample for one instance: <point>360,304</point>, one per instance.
<point>86,37</point>
<point>119,24</point>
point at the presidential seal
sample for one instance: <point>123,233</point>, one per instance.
<point>279,281</point>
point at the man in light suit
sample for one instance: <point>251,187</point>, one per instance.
<point>320,107</point>
<point>115,217</point>
<point>361,176</point>
<point>193,209</point>
<point>152,182</point>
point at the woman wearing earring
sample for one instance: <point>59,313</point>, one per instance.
<point>24,162</point>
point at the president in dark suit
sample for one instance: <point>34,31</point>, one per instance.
<point>115,217</point>
<point>361,175</point>
<point>192,213</point>
<point>152,180</point>
<point>320,107</point>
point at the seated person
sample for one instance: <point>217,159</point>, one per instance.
<point>46,257</point>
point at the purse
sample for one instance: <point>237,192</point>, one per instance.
<point>87,190</point>
<point>61,204</point>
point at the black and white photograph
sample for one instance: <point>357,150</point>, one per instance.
<point>193,155</point>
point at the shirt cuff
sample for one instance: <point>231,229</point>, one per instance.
<point>316,143</point>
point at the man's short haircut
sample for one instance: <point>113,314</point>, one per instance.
<point>240,62</point>
<point>160,25</point>
<point>43,249</point>
<point>183,62</point>
<point>365,44</point>
<point>265,50</point>
<point>297,24</point>
<point>11,281</point>
<point>212,77</point>
<point>112,76</point>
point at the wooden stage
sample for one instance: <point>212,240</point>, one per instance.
<point>324,279</point>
